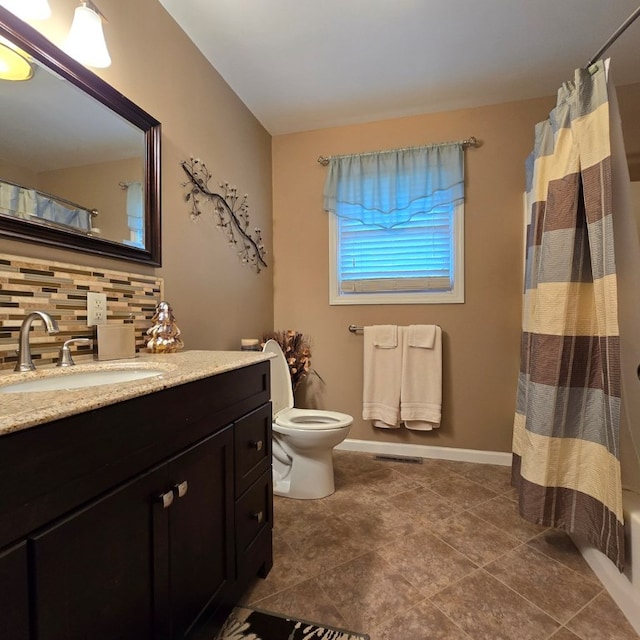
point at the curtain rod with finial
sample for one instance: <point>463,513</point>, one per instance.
<point>472,141</point>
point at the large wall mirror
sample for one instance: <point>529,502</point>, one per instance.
<point>79,162</point>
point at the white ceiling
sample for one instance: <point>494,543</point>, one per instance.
<point>309,64</point>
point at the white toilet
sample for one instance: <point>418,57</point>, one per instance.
<point>303,439</point>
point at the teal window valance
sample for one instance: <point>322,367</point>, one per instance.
<point>388,188</point>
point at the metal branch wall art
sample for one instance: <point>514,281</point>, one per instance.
<point>230,210</point>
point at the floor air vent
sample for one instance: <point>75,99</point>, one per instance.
<point>389,458</point>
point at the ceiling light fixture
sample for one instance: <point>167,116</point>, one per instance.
<point>28,9</point>
<point>13,64</point>
<point>85,41</point>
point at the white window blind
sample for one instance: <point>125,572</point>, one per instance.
<point>414,256</point>
<point>418,261</point>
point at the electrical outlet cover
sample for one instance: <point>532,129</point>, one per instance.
<point>96,308</point>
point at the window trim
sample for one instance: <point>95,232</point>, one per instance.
<point>455,296</point>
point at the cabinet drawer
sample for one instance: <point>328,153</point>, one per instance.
<point>252,447</point>
<point>254,512</point>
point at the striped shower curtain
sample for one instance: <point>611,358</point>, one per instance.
<point>566,462</point>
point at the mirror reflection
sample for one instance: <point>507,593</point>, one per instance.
<point>69,162</point>
<point>79,163</point>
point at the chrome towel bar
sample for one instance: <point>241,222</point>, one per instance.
<point>354,328</point>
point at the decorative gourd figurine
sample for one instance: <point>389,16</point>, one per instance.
<point>165,334</point>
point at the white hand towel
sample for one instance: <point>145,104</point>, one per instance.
<point>385,336</point>
<point>382,377</point>
<point>421,387</point>
<point>421,335</point>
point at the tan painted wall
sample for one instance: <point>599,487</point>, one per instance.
<point>481,336</point>
<point>629,105</point>
<point>216,299</point>
<point>96,187</point>
<point>628,265</point>
<point>19,175</point>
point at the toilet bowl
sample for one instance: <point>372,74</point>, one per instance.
<point>303,439</point>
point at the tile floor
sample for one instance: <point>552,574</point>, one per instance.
<point>430,551</point>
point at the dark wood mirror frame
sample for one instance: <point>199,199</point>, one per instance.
<point>36,45</point>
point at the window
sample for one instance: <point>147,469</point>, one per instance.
<point>419,261</point>
<point>135,213</point>
<point>410,250</point>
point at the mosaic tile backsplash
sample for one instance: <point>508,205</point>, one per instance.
<point>60,289</point>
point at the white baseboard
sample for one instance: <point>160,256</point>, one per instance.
<point>427,451</point>
<point>624,594</point>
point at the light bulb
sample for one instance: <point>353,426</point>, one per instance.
<point>13,64</point>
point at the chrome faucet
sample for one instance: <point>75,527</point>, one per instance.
<point>24,350</point>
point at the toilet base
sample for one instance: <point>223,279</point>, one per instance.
<point>308,477</point>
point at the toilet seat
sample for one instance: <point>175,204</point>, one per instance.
<point>312,419</point>
<point>284,414</point>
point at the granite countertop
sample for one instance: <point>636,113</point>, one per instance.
<point>27,409</point>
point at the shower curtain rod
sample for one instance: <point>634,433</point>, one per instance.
<point>471,141</point>
<point>617,33</point>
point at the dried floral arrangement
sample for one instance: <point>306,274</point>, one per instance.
<point>231,211</point>
<point>297,352</point>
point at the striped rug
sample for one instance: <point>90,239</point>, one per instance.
<point>251,624</point>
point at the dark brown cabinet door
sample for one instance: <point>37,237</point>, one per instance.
<point>200,528</point>
<point>93,572</point>
<point>144,561</point>
<point>14,595</point>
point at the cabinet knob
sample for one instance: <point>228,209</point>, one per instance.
<point>257,445</point>
<point>258,516</point>
<point>181,489</point>
<point>166,499</point>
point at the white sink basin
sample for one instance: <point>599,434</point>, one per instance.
<point>80,380</point>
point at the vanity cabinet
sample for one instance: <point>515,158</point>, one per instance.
<point>253,494</point>
<point>14,595</point>
<point>147,518</point>
<point>92,570</point>
<point>201,530</point>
